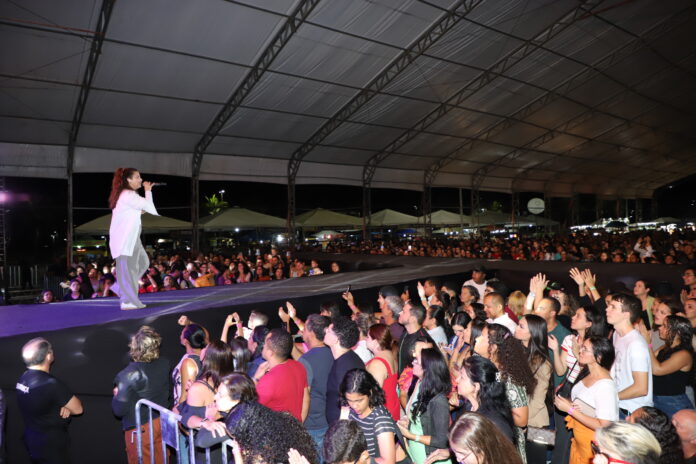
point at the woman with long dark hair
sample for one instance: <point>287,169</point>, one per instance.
<point>671,366</point>
<point>459,343</point>
<point>509,356</point>
<point>427,419</point>
<point>364,399</point>
<point>193,338</point>
<point>479,385</point>
<point>587,322</point>
<point>532,332</point>
<point>436,324</point>
<point>218,361</point>
<point>594,399</point>
<point>124,233</point>
<point>240,354</point>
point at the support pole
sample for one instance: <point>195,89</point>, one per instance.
<point>575,210</point>
<point>639,210</point>
<point>195,213</point>
<point>461,213</point>
<point>475,209</point>
<point>426,208</point>
<point>515,200</point>
<point>366,211</point>
<point>291,211</point>
<point>70,220</point>
<point>654,207</point>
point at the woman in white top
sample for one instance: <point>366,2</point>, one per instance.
<point>595,399</point>
<point>436,325</point>
<point>587,322</point>
<point>124,234</point>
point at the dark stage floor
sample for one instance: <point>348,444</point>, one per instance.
<point>24,319</point>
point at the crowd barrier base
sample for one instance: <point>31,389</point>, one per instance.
<point>171,426</point>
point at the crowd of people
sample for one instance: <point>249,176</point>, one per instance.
<point>471,372</point>
<point>585,246</point>
<point>95,278</point>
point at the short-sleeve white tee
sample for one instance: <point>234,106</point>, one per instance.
<point>632,355</point>
<point>602,396</point>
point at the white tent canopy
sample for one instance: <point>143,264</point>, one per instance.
<point>325,218</point>
<point>389,217</point>
<point>241,218</point>
<point>446,218</point>
<point>490,218</point>
<point>151,224</point>
<point>532,220</point>
<point>556,96</point>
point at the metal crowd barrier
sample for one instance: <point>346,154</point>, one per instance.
<point>171,436</point>
<point>24,276</point>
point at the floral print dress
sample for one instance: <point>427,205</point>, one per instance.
<point>517,396</point>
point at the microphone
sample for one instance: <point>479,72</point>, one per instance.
<point>159,184</point>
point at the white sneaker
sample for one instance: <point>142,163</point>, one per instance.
<point>129,306</point>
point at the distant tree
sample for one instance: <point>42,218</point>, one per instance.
<point>215,204</point>
<point>497,206</point>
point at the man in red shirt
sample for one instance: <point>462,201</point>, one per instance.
<point>281,382</point>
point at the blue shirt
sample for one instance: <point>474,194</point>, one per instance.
<point>317,362</point>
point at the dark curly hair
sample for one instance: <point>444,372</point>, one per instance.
<point>678,327</point>
<point>265,435</point>
<point>344,442</point>
<point>659,424</point>
<point>511,357</point>
<point>360,381</point>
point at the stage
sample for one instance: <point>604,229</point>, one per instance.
<point>90,337</point>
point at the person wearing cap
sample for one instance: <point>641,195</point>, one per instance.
<point>478,280</point>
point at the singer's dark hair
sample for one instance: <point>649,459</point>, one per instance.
<point>120,183</point>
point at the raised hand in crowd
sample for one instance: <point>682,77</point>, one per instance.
<point>591,284</point>
<point>232,320</point>
<point>348,296</point>
<point>292,312</point>
<point>579,279</point>
<point>294,457</point>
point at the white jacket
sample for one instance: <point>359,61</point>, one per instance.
<point>125,221</point>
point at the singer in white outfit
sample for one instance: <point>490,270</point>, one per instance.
<point>124,234</point>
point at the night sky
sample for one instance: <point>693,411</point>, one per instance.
<point>38,209</point>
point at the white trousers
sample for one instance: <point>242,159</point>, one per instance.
<point>129,270</point>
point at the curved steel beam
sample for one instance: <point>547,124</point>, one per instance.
<point>478,83</point>
<point>583,117</point>
<point>90,70</point>
<point>570,84</point>
<point>253,76</point>
<point>403,60</point>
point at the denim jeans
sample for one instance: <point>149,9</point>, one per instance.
<point>671,404</point>
<point>318,437</point>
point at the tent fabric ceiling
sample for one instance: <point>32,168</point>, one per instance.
<point>555,96</point>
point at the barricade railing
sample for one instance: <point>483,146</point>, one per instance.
<point>172,436</point>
